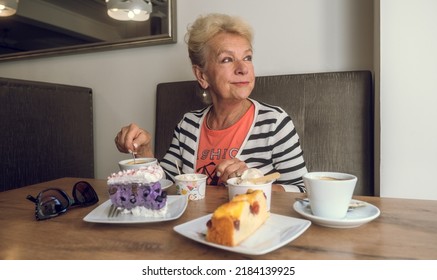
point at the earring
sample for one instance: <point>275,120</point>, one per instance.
<point>204,94</point>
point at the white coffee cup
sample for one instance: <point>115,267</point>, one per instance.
<point>329,193</point>
<point>234,188</point>
<point>138,163</point>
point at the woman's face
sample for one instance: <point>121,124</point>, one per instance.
<point>228,73</point>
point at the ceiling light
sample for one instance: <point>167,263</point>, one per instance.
<point>137,10</point>
<point>8,7</point>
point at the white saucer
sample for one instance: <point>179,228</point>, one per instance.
<point>354,218</point>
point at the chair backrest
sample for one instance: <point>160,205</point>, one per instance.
<point>332,112</point>
<point>47,132</point>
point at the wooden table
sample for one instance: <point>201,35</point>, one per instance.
<point>406,229</point>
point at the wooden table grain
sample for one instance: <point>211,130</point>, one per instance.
<point>406,229</point>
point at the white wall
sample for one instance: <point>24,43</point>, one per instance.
<point>408,90</point>
<point>292,36</point>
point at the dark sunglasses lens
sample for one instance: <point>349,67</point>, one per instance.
<point>84,194</point>
<point>51,203</point>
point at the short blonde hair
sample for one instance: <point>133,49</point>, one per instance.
<point>208,26</point>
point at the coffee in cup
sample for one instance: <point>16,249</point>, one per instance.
<point>136,164</point>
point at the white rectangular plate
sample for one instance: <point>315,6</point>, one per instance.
<point>176,207</point>
<point>277,231</point>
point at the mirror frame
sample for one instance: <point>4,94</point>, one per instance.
<point>152,40</point>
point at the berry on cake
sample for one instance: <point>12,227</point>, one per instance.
<point>233,222</point>
<point>138,191</point>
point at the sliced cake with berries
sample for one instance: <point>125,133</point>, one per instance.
<point>138,191</point>
<point>233,222</point>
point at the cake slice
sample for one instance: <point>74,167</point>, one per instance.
<point>138,191</point>
<point>233,222</point>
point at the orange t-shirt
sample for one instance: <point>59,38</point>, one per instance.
<point>218,145</point>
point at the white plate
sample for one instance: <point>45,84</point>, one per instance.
<point>354,218</point>
<point>165,184</point>
<point>176,207</point>
<point>277,231</point>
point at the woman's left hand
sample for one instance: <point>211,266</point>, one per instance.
<point>230,168</point>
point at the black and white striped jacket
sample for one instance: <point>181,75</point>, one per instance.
<point>272,145</point>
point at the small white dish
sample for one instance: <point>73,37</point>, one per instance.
<point>176,207</point>
<point>276,232</point>
<point>354,218</point>
<point>165,184</point>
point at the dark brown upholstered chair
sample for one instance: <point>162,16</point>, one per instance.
<point>332,112</point>
<point>46,132</point>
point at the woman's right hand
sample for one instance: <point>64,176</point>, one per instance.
<point>133,139</point>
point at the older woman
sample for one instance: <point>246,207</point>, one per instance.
<point>234,132</point>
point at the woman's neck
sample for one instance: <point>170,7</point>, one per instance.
<point>222,117</point>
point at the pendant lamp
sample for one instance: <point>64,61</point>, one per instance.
<point>137,10</point>
<point>8,7</point>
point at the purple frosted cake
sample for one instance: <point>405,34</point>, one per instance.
<point>138,191</point>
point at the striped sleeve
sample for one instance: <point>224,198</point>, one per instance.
<point>273,146</point>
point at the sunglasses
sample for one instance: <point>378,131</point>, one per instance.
<point>53,202</point>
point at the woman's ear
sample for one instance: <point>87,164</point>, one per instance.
<point>198,73</point>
